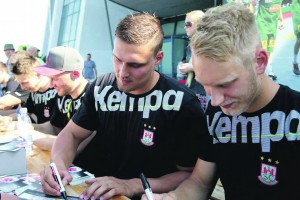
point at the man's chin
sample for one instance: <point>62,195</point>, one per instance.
<point>231,112</point>
<point>61,93</point>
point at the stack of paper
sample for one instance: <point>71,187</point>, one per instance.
<point>79,175</point>
<point>28,186</point>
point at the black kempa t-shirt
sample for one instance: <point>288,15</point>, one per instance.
<point>65,108</point>
<point>150,133</point>
<point>42,104</point>
<point>257,154</point>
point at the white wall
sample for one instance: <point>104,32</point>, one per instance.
<point>96,35</point>
<point>52,25</point>
<point>93,34</point>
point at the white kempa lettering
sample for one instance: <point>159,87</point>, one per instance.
<point>229,129</point>
<point>123,102</point>
<point>60,102</point>
<point>107,100</point>
<point>99,97</point>
<point>266,136</point>
<point>223,126</point>
<point>113,100</point>
<point>76,104</point>
<point>176,104</point>
<point>244,122</point>
<point>157,98</point>
<point>213,123</point>
<point>293,117</point>
<point>43,98</point>
<point>64,107</point>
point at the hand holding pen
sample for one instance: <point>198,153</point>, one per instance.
<point>147,187</point>
<point>58,180</point>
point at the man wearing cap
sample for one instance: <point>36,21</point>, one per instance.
<point>64,66</point>
<point>8,50</point>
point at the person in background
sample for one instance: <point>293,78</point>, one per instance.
<point>180,77</point>
<point>90,69</point>
<point>145,121</point>
<point>268,14</point>
<point>13,94</point>
<point>33,51</point>
<point>253,122</point>
<point>296,23</point>
<point>191,21</point>
<point>42,97</point>
<point>8,50</point>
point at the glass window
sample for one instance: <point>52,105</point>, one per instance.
<point>180,28</point>
<point>69,23</point>
<point>168,29</point>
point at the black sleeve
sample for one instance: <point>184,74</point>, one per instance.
<point>86,114</point>
<point>29,104</point>
<point>14,89</point>
<point>209,151</point>
<point>192,136</point>
<point>57,118</point>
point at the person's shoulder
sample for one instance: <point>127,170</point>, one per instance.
<point>105,79</point>
<point>172,83</point>
<point>289,97</point>
<point>286,90</point>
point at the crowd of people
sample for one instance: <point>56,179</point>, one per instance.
<point>137,120</point>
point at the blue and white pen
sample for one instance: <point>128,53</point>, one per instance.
<point>58,180</point>
<point>147,187</point>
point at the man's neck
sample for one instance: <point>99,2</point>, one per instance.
<point>266,92</point>
<point>79,89</point>
<point>45,84</point>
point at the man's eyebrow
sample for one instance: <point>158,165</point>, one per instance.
<point>131,63</point>
<point>226,82</point>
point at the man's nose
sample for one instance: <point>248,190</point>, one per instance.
<point>52,83</point>
<point>124,70</point>
<point>217,96</point>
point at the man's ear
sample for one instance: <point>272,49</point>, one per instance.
<point>261,60</point>
<point>75,74</point>
<point>159,57</point>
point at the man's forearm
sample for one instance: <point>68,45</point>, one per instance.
<point>160,185</point>
<point>66,145</point>
<point>63,153</point>
<point>46,128</point>
<point>200,184</point>
<point>191,189</point>
<point>8,101</point>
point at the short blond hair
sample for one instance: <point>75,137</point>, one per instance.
<point>22,63</point>
<point>226,31</point>
<point>195,16</point>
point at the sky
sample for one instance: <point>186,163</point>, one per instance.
<point>22,23</point>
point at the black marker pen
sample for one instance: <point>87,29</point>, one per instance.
<point>147,187</point>
<point>58,180</point>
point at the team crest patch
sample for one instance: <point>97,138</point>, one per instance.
<point>268,174</point>
<point>46,112</point>
<point>148,136</point>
